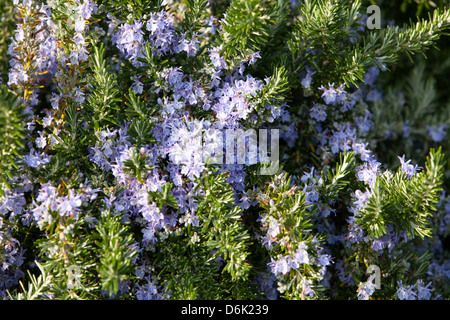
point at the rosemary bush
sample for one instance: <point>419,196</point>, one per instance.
<point>105,190</point>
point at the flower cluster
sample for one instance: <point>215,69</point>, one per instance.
<point>418,291</point>
<point>366,289</point>
<point>162,37</point>
<point>33,35</point>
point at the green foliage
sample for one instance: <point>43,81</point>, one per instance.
<point>286,204</point>
<point>248,25</point>
<point>335,178</point>
<point>222,226</point>
<point>276,86</point>
<point>103,97</point>
<point>326,26</point>
<point>192,22</point>
<point>36,286</point>
<point>385,46</point>
<point>405,203</point>
<point>12,133</point>
<point>116,253</point>
<point>130,8</point>
<point>7,18</point>
<point>144,118</point>
<point>208,261</point>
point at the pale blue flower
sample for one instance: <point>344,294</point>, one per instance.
<point>437,133</point>
<point>217,61</point>
<point>423,292</point>
<point>406,292</point>
<point>378,245</point>
<point>70,204</point>
<point>137,86</point>
<point>79,95</point>
<point>306,81</point>
<point>80,25</point>
<point>324,259</point>
<point>364,123</point>
<point>41,141</point>
<point>333,95</point>
<point>301,255</point>
<point>86,9</point>
<point>280,266</point>
<point>371,75</point>
<point>318,112</point>
<point>363,198</point>
<point>361,149</point>
<point>366,289</point>
<point>368,172</point>
<point>409,169</point>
